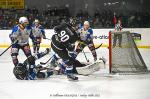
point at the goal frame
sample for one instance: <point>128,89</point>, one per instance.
<point>110,51</point>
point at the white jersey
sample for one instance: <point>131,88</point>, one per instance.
<point>37,31</point>
<point>21,34</point>
<point>86,34</point>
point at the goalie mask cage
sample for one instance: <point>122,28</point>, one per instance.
<point>124,56</point>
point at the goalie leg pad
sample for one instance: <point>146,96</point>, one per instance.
<point>89,69</point>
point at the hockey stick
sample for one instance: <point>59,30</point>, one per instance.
<point>99,46</point>
<point>48,39</point>
<point>43,63</point>
<point>7,48</point>
<point>41,68</point>
<point>95,49</point>
<point>85,56</point>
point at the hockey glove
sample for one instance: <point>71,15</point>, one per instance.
<point>73,54</point>
<point>32,72</point>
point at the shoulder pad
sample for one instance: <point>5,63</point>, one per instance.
<point>90,30</point>
<point>15,28</point>
<point>64,24</point>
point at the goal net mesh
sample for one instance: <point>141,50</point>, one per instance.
<point>126,57</point>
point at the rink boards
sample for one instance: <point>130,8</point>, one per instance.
<point>100,36</point>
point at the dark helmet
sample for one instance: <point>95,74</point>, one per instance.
<point>73,22</point>
<point>20,71</point>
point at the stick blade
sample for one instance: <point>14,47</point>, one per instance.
<point>42,63</point>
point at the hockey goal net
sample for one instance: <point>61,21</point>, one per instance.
<point>124,56</point>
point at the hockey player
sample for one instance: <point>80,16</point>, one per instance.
<point>23,72</point>
<point>20,39</point>
<point>38,33</point>
<point>86,39</point>
<point>63,44</point>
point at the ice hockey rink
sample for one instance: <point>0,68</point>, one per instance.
<point>98,85</point>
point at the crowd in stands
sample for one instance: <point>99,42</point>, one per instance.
<point>53,16</point>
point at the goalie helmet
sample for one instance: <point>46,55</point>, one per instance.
<point>20,71</point>
<point>23,20</point>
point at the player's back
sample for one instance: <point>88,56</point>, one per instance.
<point>65,33</point>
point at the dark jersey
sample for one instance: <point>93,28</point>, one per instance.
<point>65,36</point>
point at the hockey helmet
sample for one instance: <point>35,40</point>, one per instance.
<point>86,23</point>
<point>36,21</point>
<point>23,20</point>
<point>73,22</point>
<point>20,71</point>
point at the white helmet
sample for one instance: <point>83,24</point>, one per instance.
<point>23,20</point>
<point>36,21</point>
<point>86,23</point>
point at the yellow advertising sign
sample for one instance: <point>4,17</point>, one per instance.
<point>9,4</point>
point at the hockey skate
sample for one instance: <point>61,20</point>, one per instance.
<point>72,77</point>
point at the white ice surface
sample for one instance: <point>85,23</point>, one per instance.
<point>99,85</point>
